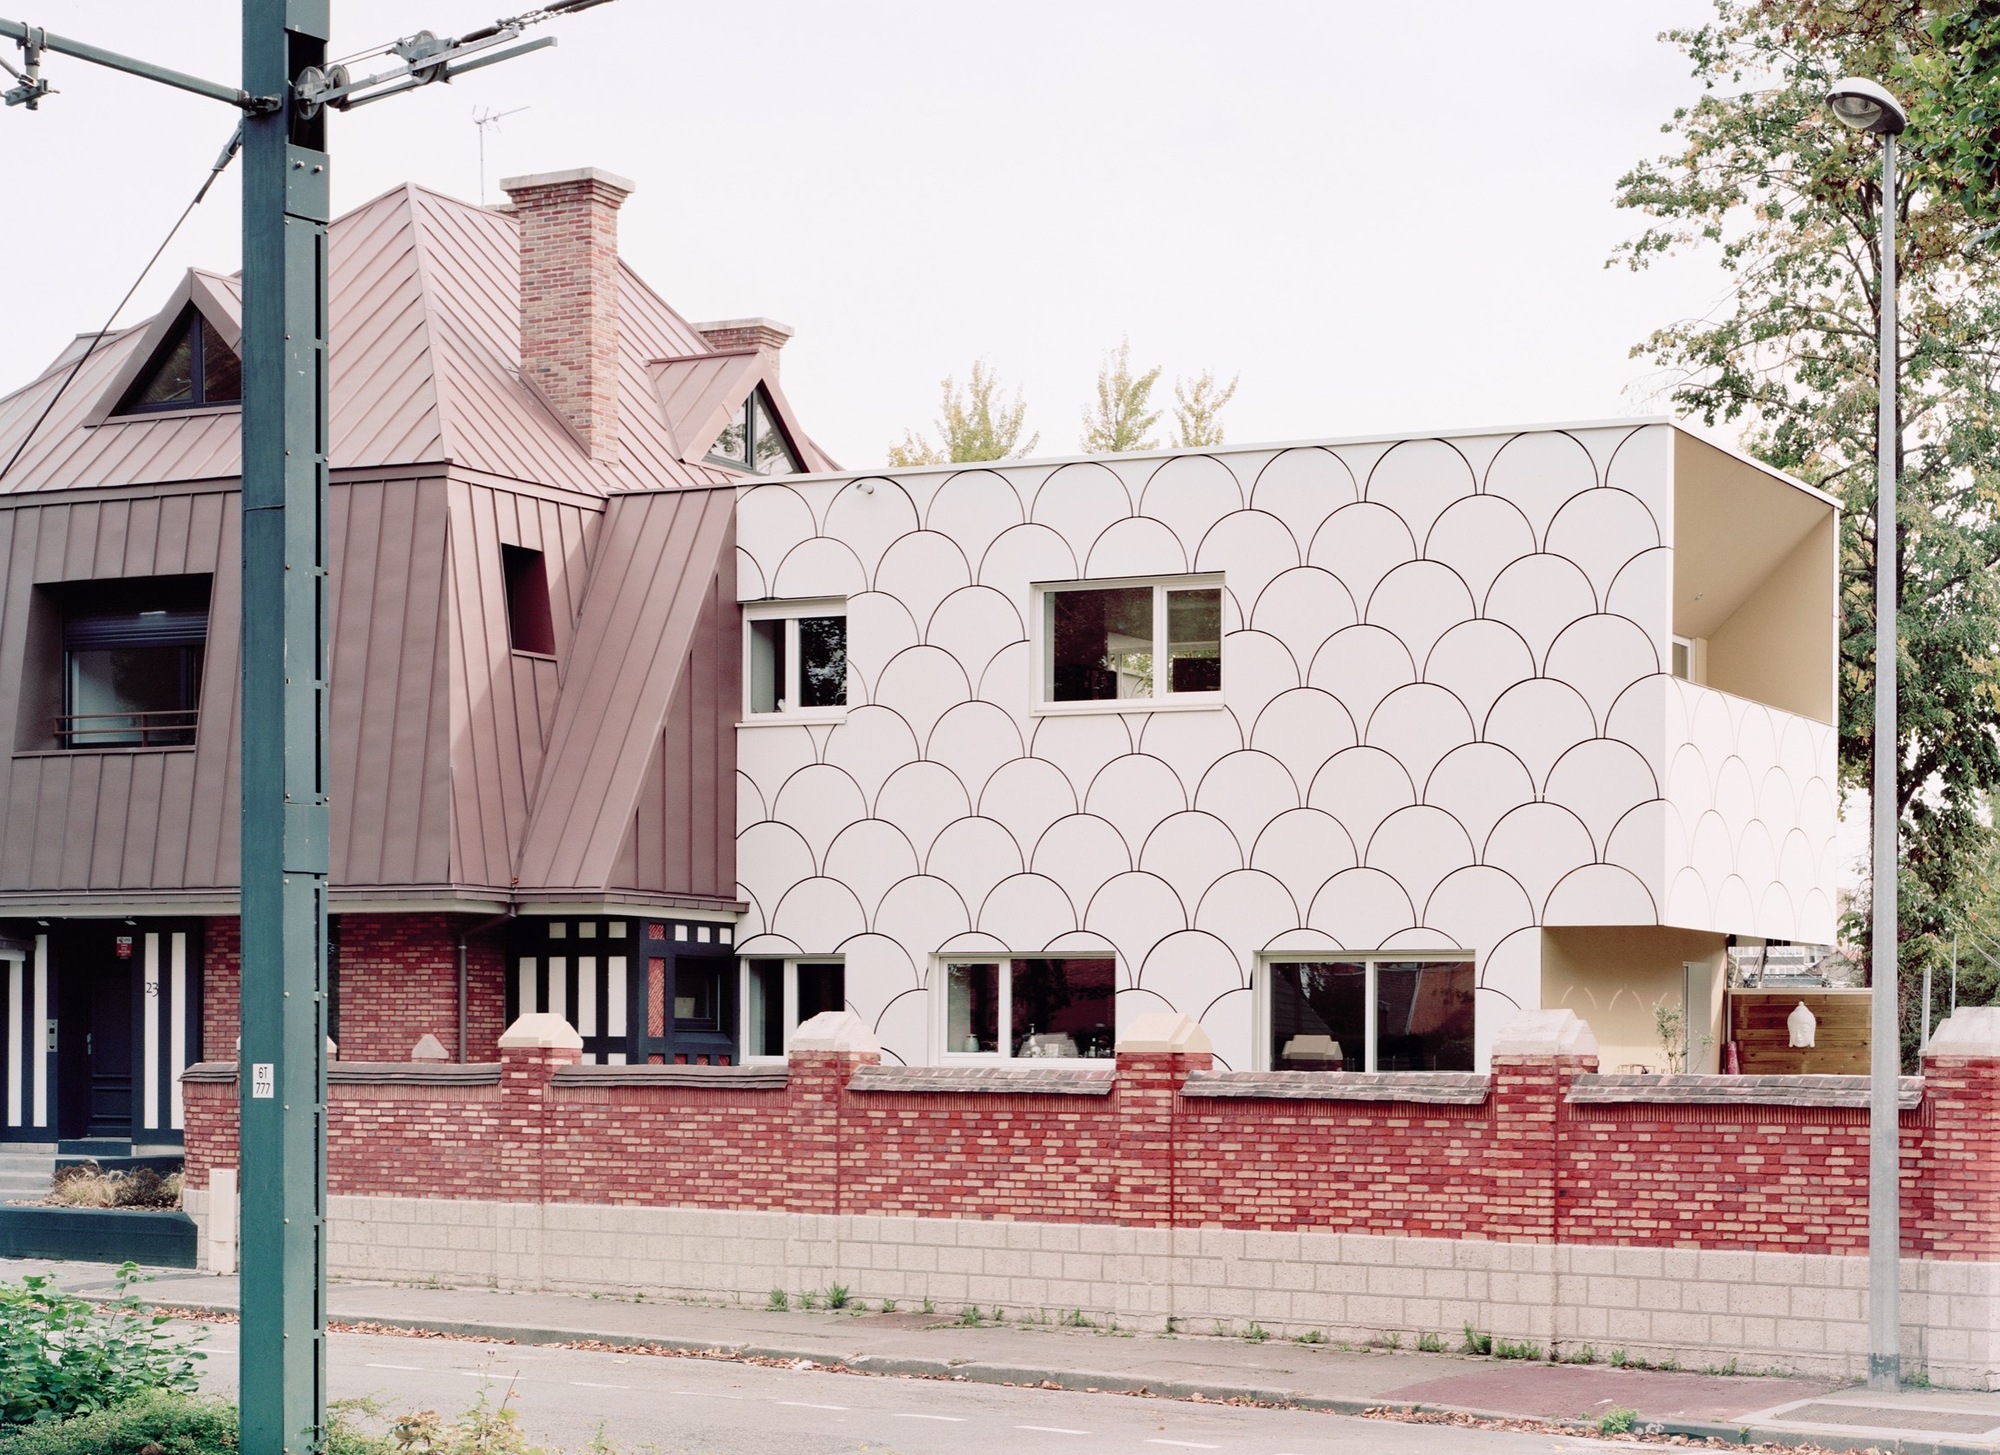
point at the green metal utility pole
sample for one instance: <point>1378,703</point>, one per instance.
<point>284,858</point>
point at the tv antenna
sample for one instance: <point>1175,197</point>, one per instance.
<point>482,120</point>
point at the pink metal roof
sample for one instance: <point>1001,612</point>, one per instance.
<point>425,369</point>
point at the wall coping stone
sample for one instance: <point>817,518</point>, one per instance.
<point>1847,1091</point>
<point>541,1031</point>
<point>1540,1034</point>
<point>729,1078</point>
<point>1971,1031</point>
<point>1451,1088</point>
<point>368,1073</point>
<point>1015,1080</point>
<point>835,1030</point>
<point>1162,1030</point>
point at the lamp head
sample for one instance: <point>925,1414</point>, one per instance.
<point>1864,106</point>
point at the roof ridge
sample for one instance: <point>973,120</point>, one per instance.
<point>446,416</point>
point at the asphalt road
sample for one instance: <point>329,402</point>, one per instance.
<point>647,1405</point>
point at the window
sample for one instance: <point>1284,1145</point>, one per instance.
<point>1132,641</point>
<point>779,996</point>
<point>755,441</point>
<point>795,658</point>
<point>193,369</point>
<point>131,661</point>
<point>530,627</point>
<point>1033,1009</point>
<point>1373,1014</point>
<point>1683,659</point>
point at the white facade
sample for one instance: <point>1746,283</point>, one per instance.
<point>1447,719</point>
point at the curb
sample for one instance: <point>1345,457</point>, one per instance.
<point>1085,1382</point>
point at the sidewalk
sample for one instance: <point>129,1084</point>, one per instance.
<point>1913,1422</point>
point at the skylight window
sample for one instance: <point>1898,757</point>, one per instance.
<point>192,369</point>
<point>755,441</point>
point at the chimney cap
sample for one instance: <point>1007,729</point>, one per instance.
<point>563,178</point>
<point>733,325</point>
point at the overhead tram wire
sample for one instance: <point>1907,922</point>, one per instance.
<point>221,165</point>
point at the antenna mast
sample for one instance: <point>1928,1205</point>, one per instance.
<point>482,120</point>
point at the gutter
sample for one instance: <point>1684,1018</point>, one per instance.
<point>461,937</point>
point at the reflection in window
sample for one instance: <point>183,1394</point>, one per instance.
<point>779,996</point>
<point>698,995</point>
<point>1371,1015</point>
<point>132,662</point>
<point>192,369</point>
<point>794,662</point>
<point>1051,1008</point>
<point>1107,643</point>
<point>754,440</point>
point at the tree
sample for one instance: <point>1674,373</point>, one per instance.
<point>972,425</point>
<point>1120,421</point>
<point>1763,178</point>
<point>1960,96</point>
<point>1197,410</point>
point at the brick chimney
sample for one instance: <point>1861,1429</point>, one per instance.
<point>765,335</point>
<point>569,296</point>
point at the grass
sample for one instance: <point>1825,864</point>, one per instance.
<point>1257,1333</point>
<point>837,1296</point>
<point>1430,1343</point>
<point>1312,1336</point>
<point>888,1305</point>
<point>1586,1355</point>
<point>928,1307</point>
<point>1076,1319</point>
<point>1617,1422</point>
<point>780,1300</point>
<point>1476,1342</point>
<point>970,1317</point>
<point>86,1185</point>
<point>1516,1349</point>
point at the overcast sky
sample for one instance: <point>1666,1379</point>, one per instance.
<point>1380,216</point>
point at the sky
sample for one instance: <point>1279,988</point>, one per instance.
<point>1378,217</point>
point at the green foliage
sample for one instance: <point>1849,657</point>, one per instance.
<point>1516,1349</point>
<point>158,1420</point>
<point>1430,1343</point>
<point>1619,1360</point>
<point>1476,1342</point>
<point>837,1296</point>
<point>488,1428</point>
<point>61,1355</point>
<point>1617,1422</point>
<point>1586,1355</point>
<point>973,424</point>
<point>1312,1336</point>
<point>970,1317</point>
<point>780,1300</point>
<point>1257,1333</point>
<point>1960,101</point>
<point>1198,409</point>
<point>1762,177</point>
<point>1121,420</point>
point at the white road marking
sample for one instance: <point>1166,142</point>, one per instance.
<point>703,1394</point>
<point>586,1384</point>
<point>800,1404</point>
<point>1051,1430</point>
<point>1185,1444</point>
<point>953,1419</point>
<point>405,1368</point>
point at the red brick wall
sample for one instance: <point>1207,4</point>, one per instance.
<point>1527,1165</point>
<point>398,980</point>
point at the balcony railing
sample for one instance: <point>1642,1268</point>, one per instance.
<point>166,728</point>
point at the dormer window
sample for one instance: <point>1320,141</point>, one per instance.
<point>192,369</point>
<point>755,441</point>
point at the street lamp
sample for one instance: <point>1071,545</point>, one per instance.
<point>1865,107</point>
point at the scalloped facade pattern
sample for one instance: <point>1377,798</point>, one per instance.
<point>1446,722</point>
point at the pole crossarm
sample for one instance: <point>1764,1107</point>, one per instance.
<point>34,38</point>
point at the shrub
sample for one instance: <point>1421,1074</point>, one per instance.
<point>780,1300</point>
<point>837,1296</point>
<point>1430,1343</point>
<point>62,1356</point>
<point>1476,1342</point>
<point>1512,1349</point>
<point>158,1420</point>
<point>1617,1422</point>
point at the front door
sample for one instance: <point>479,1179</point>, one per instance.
<point>95,1046</point>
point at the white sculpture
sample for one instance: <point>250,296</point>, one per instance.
<point>1803,1024</point>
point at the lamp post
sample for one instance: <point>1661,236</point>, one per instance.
<point>1865,107</point>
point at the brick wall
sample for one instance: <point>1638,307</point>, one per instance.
<point>398,982</point>
<point>1528,1164</point>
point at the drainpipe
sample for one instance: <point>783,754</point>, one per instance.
<point>462,936</point>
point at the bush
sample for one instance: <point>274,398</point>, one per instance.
<point>155,1423</point>
<point>63,1356</point>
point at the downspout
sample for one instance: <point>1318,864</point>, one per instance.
<point>462,936</point>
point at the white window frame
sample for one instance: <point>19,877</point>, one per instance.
<point>941,1009</point>
<point>1260,992</point>
<point>790,613</point>
<point>1162,700</point>
<point>790,1014</point>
